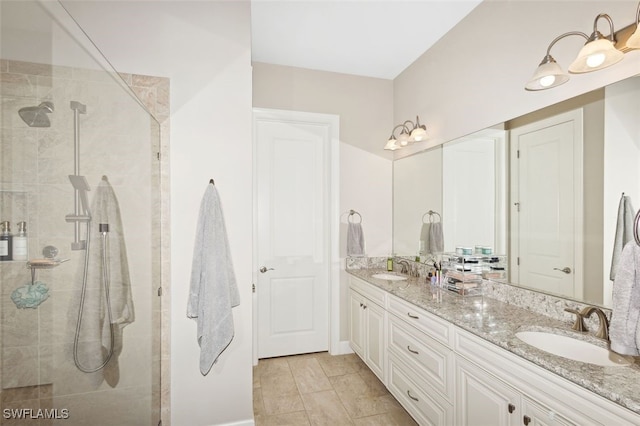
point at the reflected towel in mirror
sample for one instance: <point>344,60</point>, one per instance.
<point>624,232</point>
<point>355,239</point>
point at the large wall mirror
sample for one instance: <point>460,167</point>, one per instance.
<point>543,189</point>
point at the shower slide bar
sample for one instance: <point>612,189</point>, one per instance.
<point>80,185</point>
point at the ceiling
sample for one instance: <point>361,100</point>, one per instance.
<point>374,38</point>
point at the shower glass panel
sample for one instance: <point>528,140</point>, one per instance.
<point>80,215</point>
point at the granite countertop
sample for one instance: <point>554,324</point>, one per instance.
<point>497,322</point>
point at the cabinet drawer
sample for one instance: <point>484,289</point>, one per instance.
<point>426,408</point>
<point>370,291</point>
<point>429,324</point>
<point>431,360</point>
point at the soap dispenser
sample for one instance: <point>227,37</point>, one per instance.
<point>6,242</point>
<point>20,248</point>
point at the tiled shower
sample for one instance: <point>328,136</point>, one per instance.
<point>120,141</point>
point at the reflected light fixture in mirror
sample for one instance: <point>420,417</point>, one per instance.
<point>411,132</point>
<point>598,52</point>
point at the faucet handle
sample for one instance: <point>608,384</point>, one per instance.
<point>578,325</point>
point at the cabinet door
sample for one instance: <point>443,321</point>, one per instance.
<point>483,400</point>
<point>374,340</point>
<point>356,323</point>
<point>534,414</point>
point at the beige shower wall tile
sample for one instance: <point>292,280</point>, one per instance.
<point>130,406</point>
<point>147,96</point>
<point>32,68</point>
<point>20,366</point>
<point>4,65</point>
<point>21,85</point>
<point>19,326</point>
<point>18,155</point>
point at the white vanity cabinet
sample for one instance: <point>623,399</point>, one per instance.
<point>444,375</point>
<point>420,363</point>
<point>366,324</point>
<point>496,387</point>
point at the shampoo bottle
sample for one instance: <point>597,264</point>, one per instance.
<point>6,243</point>
<point>389,264</point>
<point>20,248</point>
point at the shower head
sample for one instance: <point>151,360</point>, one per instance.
<point>36,116</point>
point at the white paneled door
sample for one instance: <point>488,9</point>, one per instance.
<point>293,238</point>
<point>547,204</point>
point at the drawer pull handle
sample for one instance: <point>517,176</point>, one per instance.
<point>526,420</point>
<point>412,397</point>
<point>361,305</point>
<point>364,306</point>
<point>412,316</point>
<point>512,408</point>
<point>411,350</point>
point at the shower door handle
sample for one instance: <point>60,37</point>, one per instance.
<point>265,269</point>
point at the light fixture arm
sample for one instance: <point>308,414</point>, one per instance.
<point>597,34</point>
<point>561,36</point>
<point>399,125</point>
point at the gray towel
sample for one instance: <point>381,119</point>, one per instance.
<point>436,239</point>
<point>355,239</point>
<point>424,238</point>
<point>94,339</point>
<point>623,329</point>
<point>213,291</point>
<point>624,232</point>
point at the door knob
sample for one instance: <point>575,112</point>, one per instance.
<point>566,270</point>
<point>265,269</point>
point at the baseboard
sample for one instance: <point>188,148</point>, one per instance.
<point>343,348</point>
<point>250,422</point>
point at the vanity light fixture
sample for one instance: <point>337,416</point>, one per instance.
<point>597,53</point>
<point>411,132</point>
<point>634,40</point>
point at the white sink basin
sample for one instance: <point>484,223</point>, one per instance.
<point>574,349</point>
<point>390,277</point>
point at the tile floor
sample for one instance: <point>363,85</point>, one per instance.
<point>320,389</point>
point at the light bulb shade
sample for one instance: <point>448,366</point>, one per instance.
<point>595,55</point>
<point>391,145</point>
<point>419,134</point>
<point>633,42</point>
<point>547,75</point>
<point>403,139</point>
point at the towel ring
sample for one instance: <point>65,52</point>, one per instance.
<point>351,214</point>
<point>635,228</point>
<point>431,213</point>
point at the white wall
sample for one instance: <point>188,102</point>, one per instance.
<point>204,48</point>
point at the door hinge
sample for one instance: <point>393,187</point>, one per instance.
<point>253,288</point>
<point>518,261</point>
<point>159,291</point>
<point>158,155</point>
<point>518,153</point>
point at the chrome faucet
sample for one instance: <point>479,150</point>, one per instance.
<point>405,266</point>
<point>603,329</point>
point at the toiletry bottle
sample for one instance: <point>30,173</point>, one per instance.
<point>6,243</point>
<point>20,248</point>
<point>389,264</point>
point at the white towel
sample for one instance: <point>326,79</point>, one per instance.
<point>424,238</point>
<point>213,289</point>
<point>436,239</point>
<point>95,338</point>
<point>623,329</point>
<point>624,232</point>
<point>355,239</point>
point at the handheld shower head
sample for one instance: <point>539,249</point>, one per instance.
<point>36,116</point>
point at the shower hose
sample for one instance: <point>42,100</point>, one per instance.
<point>104,230</point>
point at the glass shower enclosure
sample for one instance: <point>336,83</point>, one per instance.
<point>80,220</point>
